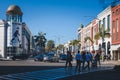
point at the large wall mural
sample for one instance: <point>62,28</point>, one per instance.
<point>16,34</point>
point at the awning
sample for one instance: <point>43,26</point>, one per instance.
<point>114,47</point>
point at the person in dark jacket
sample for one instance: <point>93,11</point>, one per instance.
<point>83,59</point>
<point>68,59</point>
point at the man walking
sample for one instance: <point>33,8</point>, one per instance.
<point>88,58</point>
<point>78,58</point>
<point>68,59</point>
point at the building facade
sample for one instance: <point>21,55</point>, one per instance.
<point>16,35</point>
<point>115,48</point>
<point>103,21</point>
<point>84,32</point>
<point>94,30</point>
<point>3,38</point>
<point>105,24</point>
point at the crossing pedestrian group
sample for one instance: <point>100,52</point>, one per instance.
<point>84,60</point>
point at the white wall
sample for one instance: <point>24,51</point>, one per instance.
<point>102,15</point>
<point>2,39</point>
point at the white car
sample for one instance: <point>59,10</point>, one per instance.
<point>51,58</point>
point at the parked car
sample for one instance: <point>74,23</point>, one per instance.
<point>1,58</point>
<point>39,57</point>
<point>51,57</point>
<point>5,59</point>
<point>63,56</point>
<point>20,56</point>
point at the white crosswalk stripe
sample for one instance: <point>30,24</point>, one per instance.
<point>47,74</point>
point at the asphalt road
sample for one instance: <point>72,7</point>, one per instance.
<point>10,67</point>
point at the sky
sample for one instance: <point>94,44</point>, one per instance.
<point>59,19</point>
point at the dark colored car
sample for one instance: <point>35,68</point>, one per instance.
<point>63,56</point>
<point>20,56</point>
<point>39,57</point>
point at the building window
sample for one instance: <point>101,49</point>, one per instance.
<point>108,22</point>
<point>99,24</point>
<point>113,13</point>
<point>113,30</point>
<point>79,36</point>
<point>117,29</point>
<point>104,23</point>
<point>117,12</point>
<point>117,24</point>
<point>94,32</point>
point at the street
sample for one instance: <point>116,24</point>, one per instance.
<point>29,70</point>
<point>10,67</point>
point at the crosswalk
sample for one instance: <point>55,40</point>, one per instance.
<point>51,74</point>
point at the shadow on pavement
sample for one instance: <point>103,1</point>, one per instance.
<point>4,70</point>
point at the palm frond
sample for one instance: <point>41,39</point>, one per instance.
<point>88,38</point>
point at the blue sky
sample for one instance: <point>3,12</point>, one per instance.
<point>59,19</point>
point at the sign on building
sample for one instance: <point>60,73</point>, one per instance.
<point>16,34</point>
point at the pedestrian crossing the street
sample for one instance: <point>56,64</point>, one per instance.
<point>51,74</point>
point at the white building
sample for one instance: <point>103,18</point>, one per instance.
<point>15,35</point>
<point>3,37</point>
<point>105,21</point>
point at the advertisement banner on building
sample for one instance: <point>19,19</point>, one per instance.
<point>16,34</point>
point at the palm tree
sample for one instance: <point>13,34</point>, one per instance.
<point>50,45</point>
<point>102,33</point>
<point>97,36</point>
<point>74,43</point>
<point>40,41</point>
<point>89,38</point>
<point>61,48</point>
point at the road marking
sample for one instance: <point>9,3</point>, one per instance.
<point>48,74</point>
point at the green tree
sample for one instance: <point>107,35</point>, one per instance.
<point>102,33</point>
<point>40,41</point>
<point>74,43</point>
<point>60,46</point>
<point>50,45</point>
<point>89,38</point>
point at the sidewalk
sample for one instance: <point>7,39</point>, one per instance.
<point>111,62</point>
<point>53,74</point>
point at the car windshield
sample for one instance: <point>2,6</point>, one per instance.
<point>63,55</point>
<point>39,55</point>
<point>49,55</point>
